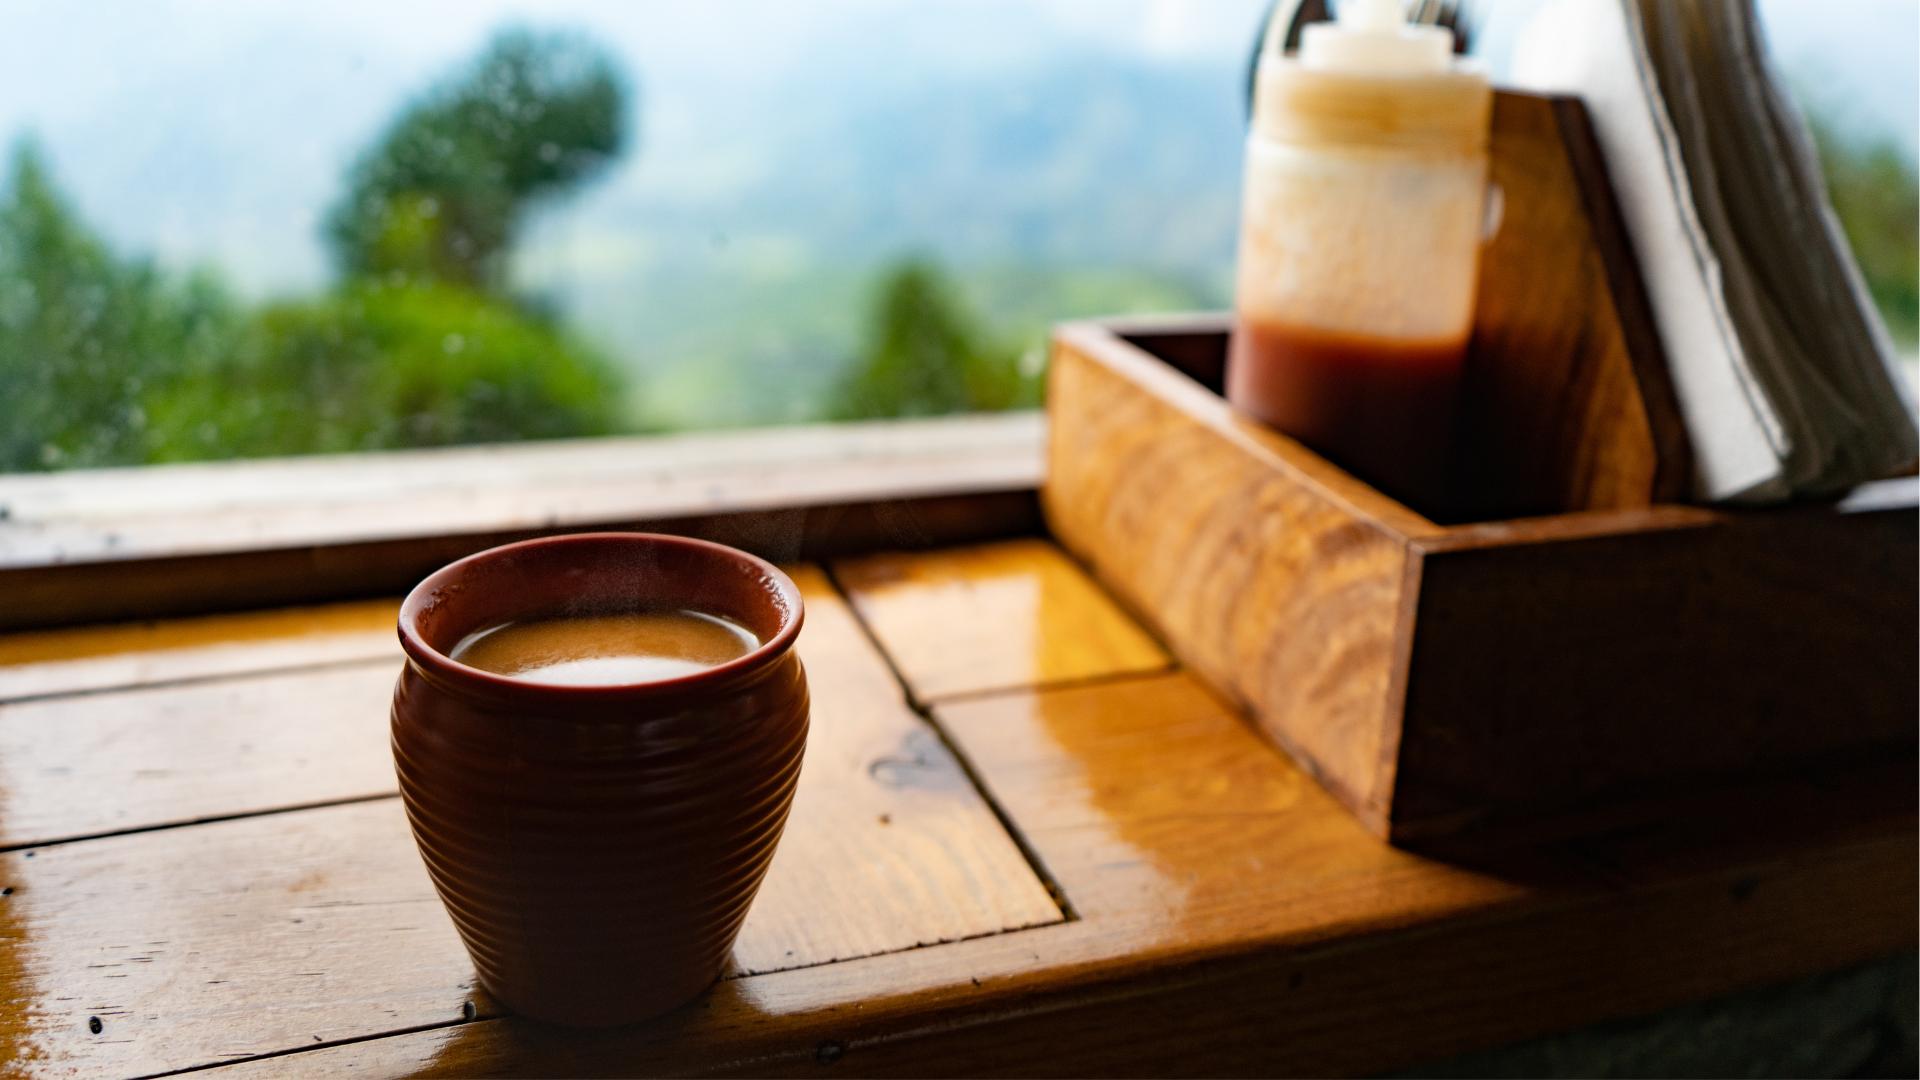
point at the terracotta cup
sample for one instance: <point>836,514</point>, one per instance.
<point>598,846</point>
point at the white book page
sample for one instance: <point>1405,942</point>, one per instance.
<point>1592,48</point>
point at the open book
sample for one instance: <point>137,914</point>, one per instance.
<point>1783,368</point>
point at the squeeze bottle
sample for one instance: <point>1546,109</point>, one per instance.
<point>1361,222</point>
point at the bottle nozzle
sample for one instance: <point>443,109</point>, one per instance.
<point>1372,16</point>
<point>1373,37</point>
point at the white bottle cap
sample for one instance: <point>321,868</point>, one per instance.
<point>1374,38</point>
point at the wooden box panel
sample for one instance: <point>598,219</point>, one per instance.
<point>1264,567</point>
<point>1437,678</point>
<point>1561,663</point>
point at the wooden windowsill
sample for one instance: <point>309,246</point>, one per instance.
<point>178,539</point>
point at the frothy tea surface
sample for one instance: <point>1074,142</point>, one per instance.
<point>606,650</point>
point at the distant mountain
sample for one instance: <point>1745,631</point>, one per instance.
<point>1094,182</point>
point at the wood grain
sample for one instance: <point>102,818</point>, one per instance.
<point>224,940</point>
<point>1554,418</point>
<point>1627,292</point>
<point>889,847</point>
<point>1152,797</point>
<point>993,617</point>
<point>86,764</point>
<point>1235,921</point>
<point>1275,575</point>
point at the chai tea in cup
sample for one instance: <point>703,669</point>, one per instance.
<point>606,650</point>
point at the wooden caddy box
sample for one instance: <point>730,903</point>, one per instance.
<point>1579,642</point>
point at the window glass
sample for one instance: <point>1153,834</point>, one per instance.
<point>241,229</point>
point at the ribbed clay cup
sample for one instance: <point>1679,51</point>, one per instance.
<point>598,846</point>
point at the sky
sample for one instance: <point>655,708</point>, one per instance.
<point>209,130</point>
<point>216,130</point>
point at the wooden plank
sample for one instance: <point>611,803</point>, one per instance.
<point>1553,673</point>
<point>64,593</point>
<point>224,940</point>
<point>889,847</point>
<point>97,763</point>
<point>47,662</point>
<point>200,509</point>
<point>1235,921</point>
<point>1566,403</point>
<point>993,617</point>
<point>169,540</point>
<point>1367,1008</point>
<point>1272,573</point>
<point>1169,804</point>
<point>1627,293</point>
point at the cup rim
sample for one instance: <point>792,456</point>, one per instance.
<point>458,676</point>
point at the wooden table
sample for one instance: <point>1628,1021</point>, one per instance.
<point>1025,842</point>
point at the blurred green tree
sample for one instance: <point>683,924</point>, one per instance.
<point>376,365</point>
<point>1877,195</point>
<point>84,337</point>
<point>926,355</point>
<point>444,191</point>
<point>105,361</point>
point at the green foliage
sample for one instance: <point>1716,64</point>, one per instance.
<point>84,337</point>
<point>791,363</point>
<point>926,356</point>
<point>377,366</point>
<point>106,361</point>
<point>444,191</point>
<point>1877,196</point>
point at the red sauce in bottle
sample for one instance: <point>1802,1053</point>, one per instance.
<point>1381,408</point>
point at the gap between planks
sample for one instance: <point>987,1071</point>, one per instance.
<point>1059,895</point>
